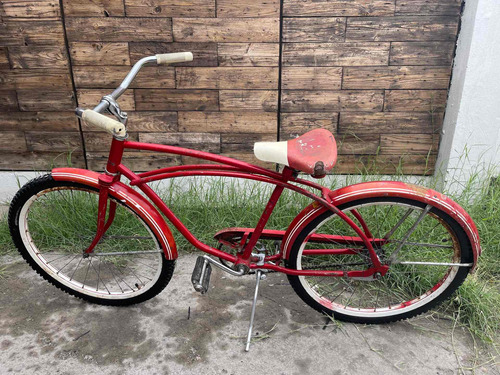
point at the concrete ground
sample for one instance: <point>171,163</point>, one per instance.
<point>45,331</point>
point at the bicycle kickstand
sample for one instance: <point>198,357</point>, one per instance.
<point>260,276</point>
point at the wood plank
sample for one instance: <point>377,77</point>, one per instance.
<point>248,54</point>
<point>402,28</point>
<point>389,123</point>
<point>110,29</point>
<point>335,54</point>
<point>359,145</point>
<point>415,144</point>
<point>320,78</point>
<point>40,32</point>
<point>35,79</point>
<point>89,98</point>
<point>385,164</point>
<point>101,141</point>
<point>198,141</point>
<point>326,8</point>
<point>30,57</point>
<point>136,161</point>
<point>248,8</point>
<point>8,100</point>
<point>294,124</point>
<point>146,122</point>
<point>248,100</point>
<point>48,121</point>
<point>170,8</point>
<point>99,53</point>
<point>112,76</point>
<point>249,157</point>
<point>4,60</point>
<point>331,101</point>
<point>421,53</point>
<point>93,8</point>
<point>30,9</point>
<point>314,29</point>
<point>176,100</point>
<point>228,122</point>
<point>226,29</point>
<point>415,100</point>
<point>46,100</point>
<point>45,161</point>
<point>13,141</point>
<point>53,141</point>
<point>429,7</point>
<point>204,54</point>
<point>227,78</point>
<point>392,77</point>
<point>243,142</point>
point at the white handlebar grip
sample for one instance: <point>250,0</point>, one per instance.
<point>172,58</point>
<point>113,127</point>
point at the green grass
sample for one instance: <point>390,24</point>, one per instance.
<point>206,208</point>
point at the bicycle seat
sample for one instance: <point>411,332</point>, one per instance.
<point>314,152</point>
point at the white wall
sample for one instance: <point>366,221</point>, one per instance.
<point>471,130</point>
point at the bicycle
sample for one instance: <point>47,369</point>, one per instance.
<point>373,252</point>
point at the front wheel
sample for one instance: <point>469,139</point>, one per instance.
<point>53,222</point>
<point>427,267</point>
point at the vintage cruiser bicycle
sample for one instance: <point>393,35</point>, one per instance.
<point>372,252</point>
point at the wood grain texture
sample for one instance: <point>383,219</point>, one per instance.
<point>335,54</point>
<point>109,29</point>
<point>415,100</point>
<point>83,53</point>
<point>136,161</point>
<point>248,8</point>
<point>389,123</point>
<point>386,164</point>
<point>32,57</point>
<point>93,8</point>
<point>326,8</point>
<point>13,141</point>
<point>199,141</point>
<point>101,141</point>
<point>358,145</point>
<point>428,7</point>
<point>304,78</point>
<point>295,124</point>
<point>243,142</point>
<point>226,29</point>
<point>112,76</point>
<point>331,101</point>
<point>50,141</point>
<point>248,100</point>
<point>30,9</point>
<point>249,157</point>
<point>228,122</point>
<point>14,32</point>
<point>227,78</point>
<point>402,28</point>
<point>170,8</point>
<point>4,59</point>
<point>176,100</point>
<point>30,161</point>
<point>35,79</point>
<point>43,121</point>
<point>421,53</point>
<point>416,144</point>
<point>89,98</point>
<point>147,121</point>
<point>46,100</point>
<point>8,100</point>
<point>392,77</point>
<point>248,54</point>
<point>204,54</point>
<point>314,29</point>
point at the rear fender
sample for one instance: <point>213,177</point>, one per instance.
<point>131,198</point>
<point>384,189</point>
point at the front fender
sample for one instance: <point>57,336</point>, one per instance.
<point>385,189</point>
<point>131,198</point>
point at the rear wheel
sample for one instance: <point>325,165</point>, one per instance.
<point>424,269</point>
<point>53,222</point>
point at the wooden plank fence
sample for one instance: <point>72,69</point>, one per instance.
<point>374,72</point>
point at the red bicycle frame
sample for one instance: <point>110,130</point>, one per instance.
<point>229,167</point>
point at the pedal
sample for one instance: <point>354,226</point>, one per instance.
<point>201,275</point>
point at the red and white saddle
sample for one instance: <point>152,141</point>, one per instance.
<point>314,152</point>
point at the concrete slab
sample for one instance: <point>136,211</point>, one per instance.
<point>45,331</point>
